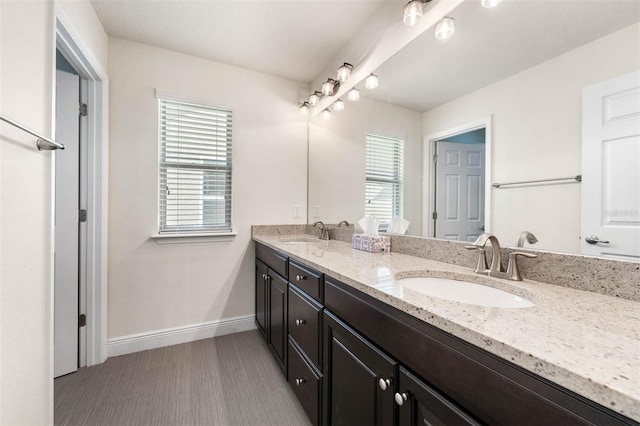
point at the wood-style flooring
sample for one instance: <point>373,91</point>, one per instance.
<point>227,380</point>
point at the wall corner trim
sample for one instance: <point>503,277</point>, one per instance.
<point>176,335</point>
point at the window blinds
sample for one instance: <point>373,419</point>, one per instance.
<point>384,164</point>
<point>195,167</point>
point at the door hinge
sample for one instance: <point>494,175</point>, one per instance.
<point>83,110</point>
<point>434,216</point>
<point>83,215</point>
<point>82,320</point>
<point>435,158</point>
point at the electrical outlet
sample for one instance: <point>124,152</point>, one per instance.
<point>296,212</point>
<point>316,211</point>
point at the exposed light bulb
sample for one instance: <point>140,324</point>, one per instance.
<point>490,3</point>
<point>326,114</point>
<point>304,108</point>
<point>353,94</point>
<point>328,87</point>
<point>445,28</point>
<point>338,105</point>
<point>412,13</point>
<point>314,99</point>
<point>344,72</point>
<point>371,82</point>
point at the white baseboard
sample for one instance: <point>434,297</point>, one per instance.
<point>174,336</point>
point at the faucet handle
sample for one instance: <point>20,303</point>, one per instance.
<point>482,258</point>
<point>324,233</point>
<point>512,268</point>
<point>521,253</point>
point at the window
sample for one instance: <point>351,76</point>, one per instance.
<point>195,167</point>
<point>383,193</point>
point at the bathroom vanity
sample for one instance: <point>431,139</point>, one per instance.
<point>359,348</point>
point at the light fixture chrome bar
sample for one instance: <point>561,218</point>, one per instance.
<point>43,143</point>
<point>577,178</point>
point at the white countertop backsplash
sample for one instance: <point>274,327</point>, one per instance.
<point>582,340</point>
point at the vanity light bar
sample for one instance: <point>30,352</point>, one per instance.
<point>331,87</point>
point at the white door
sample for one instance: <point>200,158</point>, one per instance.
<point>66,225</point>
<point>611,168</point>
<point>459,191</point>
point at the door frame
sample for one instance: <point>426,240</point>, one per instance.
<point>429,172</point>
<point>70,44</point>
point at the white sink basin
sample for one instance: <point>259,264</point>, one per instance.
<point>465,292</point>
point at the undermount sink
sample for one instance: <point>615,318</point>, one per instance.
<point>465,292</point>
<point>299,240</point>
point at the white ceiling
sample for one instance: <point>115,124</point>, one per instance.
<point>491,44</point>
<point>289,38</point>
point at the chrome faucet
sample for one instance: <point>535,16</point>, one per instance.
<point>528,236</point>
<point>324,231</point>
<point>343,222</point>
<point>496,269</point>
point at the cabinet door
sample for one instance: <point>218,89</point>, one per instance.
<point>420,404</point>
<point>352,370</point>
<point>261,297</point>
<point>277,317</point>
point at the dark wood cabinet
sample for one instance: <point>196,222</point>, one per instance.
<point>305,338</point>
<point>420,404</point>
<point>354,360</point>
<point>271,301</point>
<point>261,296</point>
<point>277,319</point>
<point>491,389</point>
<point>352,370</point>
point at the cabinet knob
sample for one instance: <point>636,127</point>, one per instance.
<point>384,383</point>
<point>300,321</point>
<point>300,277</point>
<point>299,382</point>
<point>401,398</point>
<point>264,276</point>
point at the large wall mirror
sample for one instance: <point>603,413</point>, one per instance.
<point>499,102</point>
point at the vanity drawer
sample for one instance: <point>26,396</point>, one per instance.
<point>305,320</point>
<point>272,258</point>
<point>306,383</point>
<point>306,279</point>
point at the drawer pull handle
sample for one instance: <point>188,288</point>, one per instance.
<point>299,382</point>
<point>300,322</point>
<point>384,383</point>
<point>401,398</point>
<point>301,277</point>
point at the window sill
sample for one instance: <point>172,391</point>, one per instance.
<point>195,237</point>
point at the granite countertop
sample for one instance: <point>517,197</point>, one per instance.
<point>587,342</point>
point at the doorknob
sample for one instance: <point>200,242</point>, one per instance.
<point>482,228</point>
<point>593,239</point>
